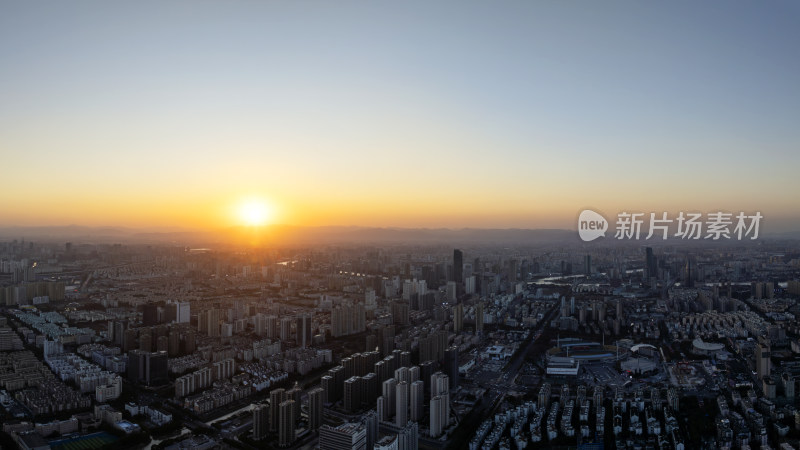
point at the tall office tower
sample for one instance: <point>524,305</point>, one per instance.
<point>572,306</point>
<point>651,264</point>
<point>286,328</point>
<point>762,360</point>
<point>183,312</point>
<point>389,392</point>
<point>588,265</point>
<point>479,317</point>
<point>276,397</point>
<point>370,422</point>
<point>437,407</point>
<point>286,429</point>
<point>451,365</point>
<point>213,323</point>
<point>458,266</point>
<point>149,314</point>
<point>348,436</point>
<point>458,318</point>
<point>260,421</point>
<point>408,437</point>
<point>401,404</point>
<point>417,400</point>
<point>315,408</point>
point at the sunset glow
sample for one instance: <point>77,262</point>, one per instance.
<point>255,212</point>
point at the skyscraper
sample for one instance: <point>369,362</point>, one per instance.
<point>458,266</point>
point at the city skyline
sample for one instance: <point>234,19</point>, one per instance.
<point>448,115</point>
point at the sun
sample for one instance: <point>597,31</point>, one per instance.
<point>255,212</point>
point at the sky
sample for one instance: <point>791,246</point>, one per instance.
<point>407,114</point>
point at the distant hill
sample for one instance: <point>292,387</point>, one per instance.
<point>288,235</point>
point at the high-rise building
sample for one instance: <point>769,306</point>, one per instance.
<point>458,318</point>
<point>401,404</point>
<point>260,421</point>
<point>304,331</point>
<point>452,291</point>
<point>370,421</point>
<point>295,394</point>
<point>315,408</point>
<point>458,266</point>
<point>470,284</point>
<point>146,342</point>
<point>352,394</point>
<point>417,401</point>
<point>286,328</point>
<point>408,437</point>
<point>479,317</point>
<point>437,407</point>
<point>763,367</point>
<point>213,323</point>
<point>276,397</point>
<point>147,368</point>
<point>149,314</point>
<point>183,312</point>
<point>286,428</point>
<point>651,268</point>
<point>440,387</point>
<point>348,436</point>
<point>451,365</point>
<point>389,392</point>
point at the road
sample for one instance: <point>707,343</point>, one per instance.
<point>497,392</point>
